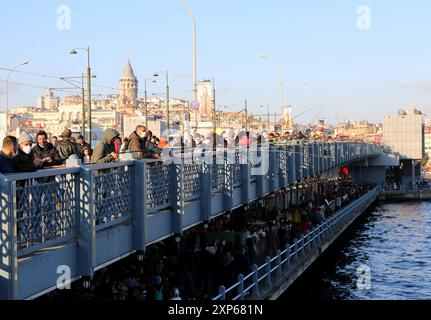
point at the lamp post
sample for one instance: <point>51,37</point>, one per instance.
<point>246,115</point>
<point>167,95</point>
<point>7,92</point>
<point>189,11</point>
<point>146,100</point>
<point>75,51</point>
<point>278,65</point>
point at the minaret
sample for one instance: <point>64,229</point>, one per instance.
<point>128,85</point>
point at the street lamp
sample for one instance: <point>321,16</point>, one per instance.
<point>189,11</point>
<point>145,101</point>
<point>167,95</point>
<point>246,115</point>
<point>7,93</point>
<point>75,51</point>
<point>278,65</point>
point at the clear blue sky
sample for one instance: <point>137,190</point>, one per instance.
<point>364,74</point>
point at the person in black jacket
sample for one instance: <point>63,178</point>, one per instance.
<point>25,161</point>
<point>8,152</point>
<point>45,150</point>
<point>65,147</point>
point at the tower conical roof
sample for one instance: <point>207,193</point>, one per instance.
<point>128,71</point>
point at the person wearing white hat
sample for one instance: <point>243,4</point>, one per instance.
<point>25,161</point>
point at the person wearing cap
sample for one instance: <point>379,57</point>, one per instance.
<point>66,147</point>
<point>25,161</point>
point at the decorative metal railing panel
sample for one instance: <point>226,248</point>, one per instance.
<point>332,154</point>
<point>237,169</point>
<point>157,185</point>
<point>277,153</point>
<point>305,161</point>
<point>282,163</point>
<point>217,178</point>
<point>191,180</point>
<point>255,160</point>
<point>46,209</point>
<point>113,193</point>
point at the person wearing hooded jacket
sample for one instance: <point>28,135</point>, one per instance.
<point>107,150</point>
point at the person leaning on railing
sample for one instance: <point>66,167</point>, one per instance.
<point>136,143</point>
<point>151,150</point>
<point>44,150</point>
<point>66,147</point>
<point>107,150</point>
<point>25,160</point>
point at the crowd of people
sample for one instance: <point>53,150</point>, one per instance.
<point>195,268</point>
<point>25,153</point>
